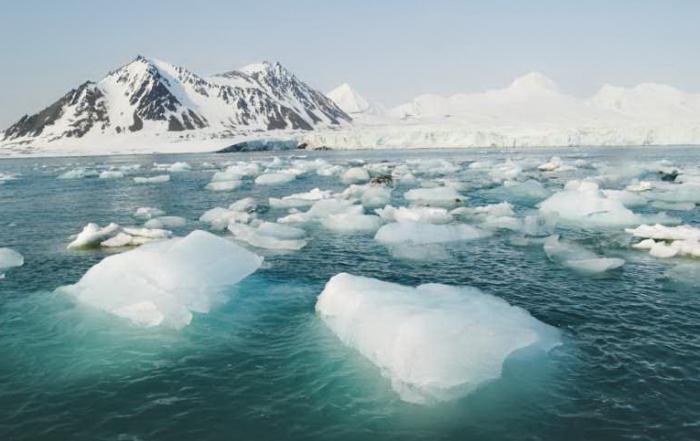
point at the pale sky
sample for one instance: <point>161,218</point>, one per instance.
<point>389,51</point>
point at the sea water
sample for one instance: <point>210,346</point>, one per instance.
<point>265,367</point>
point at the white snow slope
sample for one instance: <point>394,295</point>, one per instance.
<point>196,114</point>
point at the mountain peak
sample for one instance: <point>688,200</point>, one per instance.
<point>348,99</point>
<point>533,82</point>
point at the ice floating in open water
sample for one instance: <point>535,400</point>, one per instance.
<point>160,179</point>
<point>436,196</point>
<point>578,258</point>
<point>163,283</point>
<point>423,233</point>
<point>275,178</point>
<point>666,242</point>
<point>581,203</point>
<point>433,342</point>
<point>355,175</point>
<point>9,258</point>
<point>115,236</point>
<point>270,235</point>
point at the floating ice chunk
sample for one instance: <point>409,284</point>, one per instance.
<point>269,237</point>
<point>179,167</point>
<point>355,175</point>
<point>5,177</point>
<point>432,167</point>
<point>493,217</point>
<point>148,212</point>
<point>78,173</point>
<point>274,178</point>
<point>662,232</point>
<point>223,185</point>
<point>248,205</point>
<point>582,203</point>
<point>166,222</point>
<point>160,179</point>
<point>352,222</point>
<point>119,241</point>
<point>219,218</point>
<point>431,215</point>
<point>280,231</point>
<point>321,209</point>
<point>9,258</point>
<point>530,190</point>
<point>437,196</point>
<point>578,258</point>
<point>300,199</point>
<point>500,209</point>
<point>673,206</point>
<point>639,186</point>
<point>685,273</point>
<point>111,174</point>
<point>553,164</point>
<point>433,342</point>
<point>92,235</point>
<point>645,244</point>
<point>163,283</point>
<point>627,198</point>
<point>370,195</point>
<point>505,172</point>
<point>422,233</point>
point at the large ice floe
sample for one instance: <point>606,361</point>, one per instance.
<point>9,258</point>
<point>582,203</point>
<point>578,258</point>
<point>164,283</point>
<point>433,342</point>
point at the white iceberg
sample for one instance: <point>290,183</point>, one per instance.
<point>148,212</point>
<point>163,283</point>
<point>433,342</point>
<point>162,222</point>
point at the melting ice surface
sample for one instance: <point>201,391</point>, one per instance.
<point>165,282</point>
<point>435,342</point>
<point>261,364</point>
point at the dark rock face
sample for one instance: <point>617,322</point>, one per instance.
<point>86,102</point>
<point>265,98</point>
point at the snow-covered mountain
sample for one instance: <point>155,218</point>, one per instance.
<point>353,103</point>
<point>531,111</point>
<point>149,105</point>
<point>149,98</point>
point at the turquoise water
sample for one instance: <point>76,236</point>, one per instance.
<point>264,366</point>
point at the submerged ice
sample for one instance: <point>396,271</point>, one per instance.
<point>433,342</point>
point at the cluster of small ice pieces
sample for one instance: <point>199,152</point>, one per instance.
<point>434,342</point>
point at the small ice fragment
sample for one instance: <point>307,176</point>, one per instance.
<point>274,178</point>
<point>355,175</point>
<point>152,180</point>
<point>422,233</point>
<point>92,234</point>
<point>223,185</point>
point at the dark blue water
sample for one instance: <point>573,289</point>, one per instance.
<point>264,367</point>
